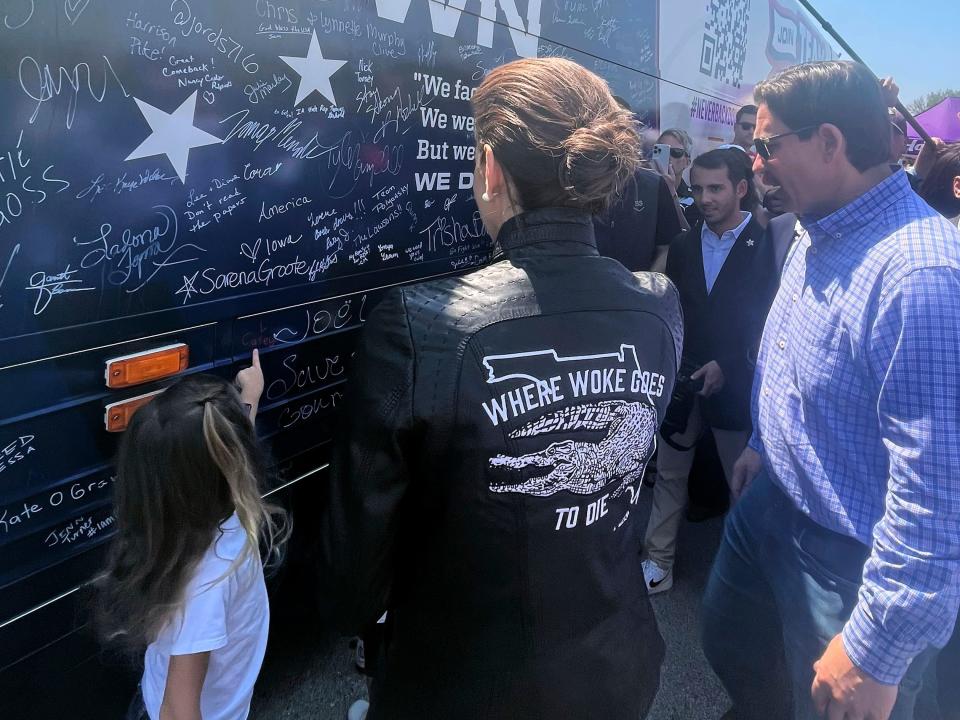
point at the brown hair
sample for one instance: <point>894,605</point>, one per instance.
<point>843,93</point>
<point>739,167</point>
<point>558,132</point>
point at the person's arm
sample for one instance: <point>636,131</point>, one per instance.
<point>250,383</point>
<point>927,158</point>
<point>911,581</point>
<point>369,477</point>
<point>181,696</point>
<point>890,91</point>
<point>674,261</point>
<point>660,254</point>
<point>750,462</point>
<point>670,218</point>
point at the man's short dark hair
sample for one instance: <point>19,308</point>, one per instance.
<point>735,161</point>
<point>738,165</point>
<point>937,186</point>
<point>746,110</point>
<point>842,93</point>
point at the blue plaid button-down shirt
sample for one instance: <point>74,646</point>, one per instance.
<point>856,410</point>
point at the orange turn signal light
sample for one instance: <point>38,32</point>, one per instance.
<point>146,366</point>
<point>119,414</point>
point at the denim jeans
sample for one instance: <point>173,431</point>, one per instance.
<point>948,677</point>
<point>780,589</point>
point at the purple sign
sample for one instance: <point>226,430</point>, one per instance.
<point>942,120</point>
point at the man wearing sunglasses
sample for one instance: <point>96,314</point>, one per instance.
<point>898,145</point>
<point>745,126</point>
<point>840,563</point>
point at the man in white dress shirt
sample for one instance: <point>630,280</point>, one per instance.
<point>725,272</point>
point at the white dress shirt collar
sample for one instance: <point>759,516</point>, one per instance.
<point>715,249</point>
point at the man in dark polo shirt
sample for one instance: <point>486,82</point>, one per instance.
<point>637,230</point>
<point>638,227</point>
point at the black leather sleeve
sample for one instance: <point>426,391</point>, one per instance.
<point>370,478</point>
<point>668,306</point>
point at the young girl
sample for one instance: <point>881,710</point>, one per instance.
<point>184,577</point>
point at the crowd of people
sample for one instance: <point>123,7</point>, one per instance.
<point>480,528</point>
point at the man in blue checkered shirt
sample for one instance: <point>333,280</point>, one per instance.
<point>839,569</point>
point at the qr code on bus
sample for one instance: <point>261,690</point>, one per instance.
<point>724,49</point>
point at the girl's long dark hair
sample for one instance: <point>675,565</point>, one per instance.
<point>188,461</point>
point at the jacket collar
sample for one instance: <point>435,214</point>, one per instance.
<point>548,231</point>
<point>748,242</point>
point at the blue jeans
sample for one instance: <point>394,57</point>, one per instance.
<point>781,588</point>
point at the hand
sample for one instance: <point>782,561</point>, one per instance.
<point>927,157</point>
<point>250,383</point>
<point>745,469</point>
<point>843,691</point>
<point>667,175</point>
<point>713,378</point>
<point>890,90</point>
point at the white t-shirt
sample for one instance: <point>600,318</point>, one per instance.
<point>227,614</point>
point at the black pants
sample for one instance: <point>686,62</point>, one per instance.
<point>137,710</point>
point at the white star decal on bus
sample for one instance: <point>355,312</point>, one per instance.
<point>315,72</point>
<point>173,134</point>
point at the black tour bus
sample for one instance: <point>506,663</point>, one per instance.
<point>182,181</point>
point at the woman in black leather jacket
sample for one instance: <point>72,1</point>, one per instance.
<point>499,426</point>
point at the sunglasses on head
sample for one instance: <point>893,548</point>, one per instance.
<point>745,126</point>
<point>763,144</point>
<point>678,153</point>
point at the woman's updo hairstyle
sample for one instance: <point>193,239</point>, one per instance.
<point>557,131</point>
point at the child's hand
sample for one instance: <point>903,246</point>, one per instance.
<point>250,382</point>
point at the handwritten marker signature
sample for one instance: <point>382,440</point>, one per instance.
<point>43,84</point>
<point>16,249</point>
<point>49,286</point>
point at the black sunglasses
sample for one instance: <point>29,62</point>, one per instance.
<point>763,144</point>
<point>678,153</point>
<point>745,126</point>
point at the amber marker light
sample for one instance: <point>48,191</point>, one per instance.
<point>118,415</point>
<point>142,367</point>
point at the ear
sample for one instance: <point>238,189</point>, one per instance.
<point>956,187</point>
<point>832,142</point>
<point>494,180</point>
<point>741,189</point>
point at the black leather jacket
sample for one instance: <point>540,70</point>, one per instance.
<point>499,426</point>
